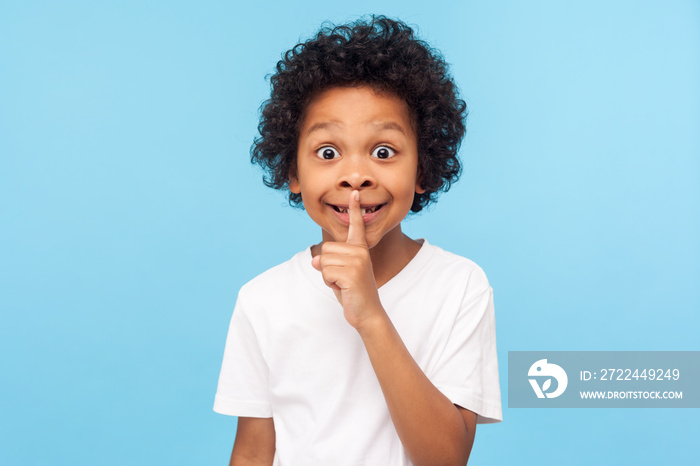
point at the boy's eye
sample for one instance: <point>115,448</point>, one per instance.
<point>383,152</point>
<point>327,153</point>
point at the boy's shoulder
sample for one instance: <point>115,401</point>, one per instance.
<point>445,264</point>
<point>278,279</point>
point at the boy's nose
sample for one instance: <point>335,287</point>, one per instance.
<point>356,180</point>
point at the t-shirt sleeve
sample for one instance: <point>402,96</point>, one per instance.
<point>243,388</point>
<point>467,371</point>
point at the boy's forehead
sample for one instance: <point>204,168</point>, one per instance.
<point>353,89</point>
<point>338,107</point>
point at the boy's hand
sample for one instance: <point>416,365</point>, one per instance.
<point>347,269</point>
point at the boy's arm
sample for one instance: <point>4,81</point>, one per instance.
<point>255,442</point>
<point>431,428</point>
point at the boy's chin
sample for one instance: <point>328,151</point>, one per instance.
<point>372,241</point>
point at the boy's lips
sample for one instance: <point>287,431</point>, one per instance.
<point>366,208</point>
<point>369,211</point>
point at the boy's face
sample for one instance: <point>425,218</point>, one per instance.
<point>355,138</point>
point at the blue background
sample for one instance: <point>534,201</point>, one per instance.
<point>130,214</point>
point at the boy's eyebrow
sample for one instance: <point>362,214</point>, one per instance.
<point>384,125</point>
<point>323,125</point>
<point>379,126</point>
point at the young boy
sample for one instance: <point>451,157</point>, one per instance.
<point>369,348</point>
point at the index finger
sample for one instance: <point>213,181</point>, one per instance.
<point>356,230</point>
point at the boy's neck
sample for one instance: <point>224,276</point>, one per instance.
<point>393,252</point>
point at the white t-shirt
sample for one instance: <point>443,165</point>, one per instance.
<point>291,355</point>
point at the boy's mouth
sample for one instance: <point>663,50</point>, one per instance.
<point>365,210</point>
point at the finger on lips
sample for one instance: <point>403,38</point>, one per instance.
<point>356,230</point>
<point>336,254</point>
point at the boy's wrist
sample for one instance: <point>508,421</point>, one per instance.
<point>375,326</point>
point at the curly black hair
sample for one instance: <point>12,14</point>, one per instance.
<point>381,53</point>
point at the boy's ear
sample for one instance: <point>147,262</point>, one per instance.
<point>294,185</point>
<point>419,188</point>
